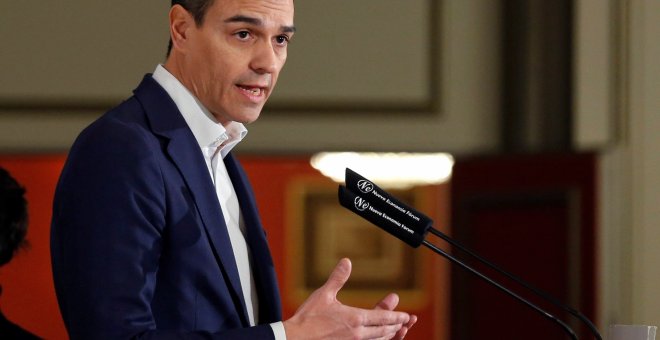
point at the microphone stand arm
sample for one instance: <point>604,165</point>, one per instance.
<point>446,255</point>
<point>523,283</point>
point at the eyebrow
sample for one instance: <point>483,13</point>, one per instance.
<point>257,22</point>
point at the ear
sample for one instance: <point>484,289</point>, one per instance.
<point>180,23</point>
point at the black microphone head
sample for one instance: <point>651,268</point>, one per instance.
<point>362,186</point>
<point>381,216</point>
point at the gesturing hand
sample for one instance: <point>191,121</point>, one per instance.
<point>322,316</point>
<point>389,303</point>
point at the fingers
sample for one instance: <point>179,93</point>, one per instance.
<point>404,330</point>
<point>379,332</point>
<point>379,317</point>
<point>401,333</point>
<point>388,303</point>
<point>411,322</point>
<point>338,277</point>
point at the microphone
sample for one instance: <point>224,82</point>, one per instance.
<point>358,184</point>
<point>369,201</point>
<point>387,219</point>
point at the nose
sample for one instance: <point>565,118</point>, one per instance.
<point>265,58</point>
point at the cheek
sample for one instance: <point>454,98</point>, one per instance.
<point>282,64</point>
<point>216,75</point>
<point>225,68</point>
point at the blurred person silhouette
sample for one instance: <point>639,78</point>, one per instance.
<point>13,227</point>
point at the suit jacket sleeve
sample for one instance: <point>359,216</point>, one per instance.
<point>109,217</point>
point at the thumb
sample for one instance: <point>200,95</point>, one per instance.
<point>338,277</point>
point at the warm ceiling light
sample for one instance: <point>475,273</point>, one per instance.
<point>387,169</point>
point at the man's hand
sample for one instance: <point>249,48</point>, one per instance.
<point>389,303</point>
<point>322,316</point>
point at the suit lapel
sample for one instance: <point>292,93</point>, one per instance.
<point>166,120</point>
<point>262,264</point>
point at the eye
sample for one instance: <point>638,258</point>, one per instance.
<point>242,35</point>
<point>282,39</point>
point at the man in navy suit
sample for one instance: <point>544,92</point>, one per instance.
<point>155,230</point>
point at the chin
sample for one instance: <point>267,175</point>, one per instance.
<point>250,116</point>
<point>250,119</point>
<point>240,116</point>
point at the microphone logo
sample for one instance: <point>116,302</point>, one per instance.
<point>365,186</point>
<point>360,203</point>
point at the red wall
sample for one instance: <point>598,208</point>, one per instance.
<point>28,294</point>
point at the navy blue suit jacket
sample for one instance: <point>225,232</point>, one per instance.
<point>139,245</point>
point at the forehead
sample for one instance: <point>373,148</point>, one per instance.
<point>270,12</point>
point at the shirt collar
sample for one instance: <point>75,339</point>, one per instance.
<point>208,132</point>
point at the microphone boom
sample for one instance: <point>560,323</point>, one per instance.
<point>374,204</point>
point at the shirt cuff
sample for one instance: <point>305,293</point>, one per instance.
<point>278,330</point>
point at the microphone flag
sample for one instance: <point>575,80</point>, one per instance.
<point>377,206</point>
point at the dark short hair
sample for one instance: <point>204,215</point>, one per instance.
<point>13,217</point>
<point>197,8</point>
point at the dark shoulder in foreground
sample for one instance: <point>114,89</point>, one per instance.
<point>9,330</point>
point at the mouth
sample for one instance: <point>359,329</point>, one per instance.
<point>252,91</point>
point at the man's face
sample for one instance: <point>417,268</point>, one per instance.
<point>232,61</point>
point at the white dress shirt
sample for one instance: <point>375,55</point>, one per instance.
<point>215,142</point>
